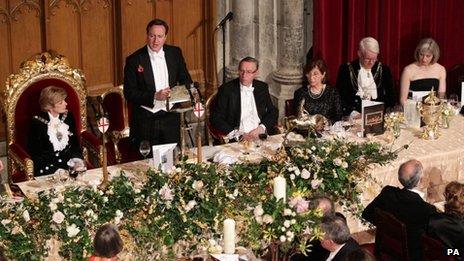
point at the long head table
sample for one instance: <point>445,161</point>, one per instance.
<point>442,160</point>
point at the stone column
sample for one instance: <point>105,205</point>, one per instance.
<point>242,35</point>
<point>291,53</point>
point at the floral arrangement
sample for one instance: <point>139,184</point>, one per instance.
<point>181,213</point>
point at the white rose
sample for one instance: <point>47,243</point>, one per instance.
<point>267,219</point>
<point>297,171</point>
<point>305,174</point>
<point>258,211</point>
<point>287,212</point>
<point>72,230</point>
<point>26,216</point>
<point>119,214</point>
<point>58,217</point>
<point>16,230</point>
<point>337,162</point>
<point>283,229</point>
<point>292,176</point>
<point>282,239</point>
<point>105,199</point>
<point>313,148</point>
<point>235,192</point>
<point>287,223</point>
<point>212,242</point>
<point>197,185</point>
<point>52,206</point>
<point>344,165</point>
<point>290,234</point>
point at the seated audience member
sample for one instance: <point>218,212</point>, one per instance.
<point>360,255</point>
<point>107,244</point>
<point>365,78</point>
<point>318,97</point>
<point>315,251</point>
<point>243,106</point>
<point>52,138</point>
<point>337,239</point>
<point>425,72</point>
<point>406,204</point>
<point>448,227</point>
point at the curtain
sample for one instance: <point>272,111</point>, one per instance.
<point>398,25</point>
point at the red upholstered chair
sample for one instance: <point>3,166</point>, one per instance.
<point>390,237</point>
<point>119,147</point>
<point>289,109</point>
<point>434,249</point>
<point>212,133</point>
<point>21,102</point>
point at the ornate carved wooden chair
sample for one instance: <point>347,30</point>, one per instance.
<point>120,149</point>
<point>21,102</point>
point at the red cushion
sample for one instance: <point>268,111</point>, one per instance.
<point>28,106</point>
<point>114,106</point>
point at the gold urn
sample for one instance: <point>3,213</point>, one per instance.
<point>431,109</point>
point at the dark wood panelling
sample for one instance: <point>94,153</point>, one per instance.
<point>97,36</point>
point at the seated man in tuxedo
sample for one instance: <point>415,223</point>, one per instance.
<point>337,238</point>
<point>406,204</point>
<point>365,79</point>
<point>243,106</point>
<point>149,73</point>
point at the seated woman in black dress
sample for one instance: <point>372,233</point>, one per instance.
<point>52,137</point>
<point>318,97</point>
<point>448,227</point>
<point>425,72</point>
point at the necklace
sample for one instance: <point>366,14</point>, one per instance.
<point>316,96</point>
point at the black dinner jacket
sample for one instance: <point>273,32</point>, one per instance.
<point>347,84</point>
<point>408,207</point>
<point>447,228</point>
<point>350,246</point>
<point>139,82</point>
<point>226,112</point>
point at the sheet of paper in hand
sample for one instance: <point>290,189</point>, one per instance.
<point>372,117</point>
<point>179,93</point>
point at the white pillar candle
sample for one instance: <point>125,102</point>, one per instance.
<point>229,236</point>
<point>280,187</point>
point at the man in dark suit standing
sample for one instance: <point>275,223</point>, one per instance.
<point>243,106</point>
<point>337,238</point>
<point>406,204</point>
<point>149,74</point>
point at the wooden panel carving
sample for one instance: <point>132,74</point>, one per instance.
<point>63,31</point>
<point>97,45</point>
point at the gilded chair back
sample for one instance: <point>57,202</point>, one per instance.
<point>20,100</point>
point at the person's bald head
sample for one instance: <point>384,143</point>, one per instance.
<point>410,173</point>
<point>324,203</point>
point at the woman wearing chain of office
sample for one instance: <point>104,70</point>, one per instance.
<point>317,96</point>
<point>52,138</point>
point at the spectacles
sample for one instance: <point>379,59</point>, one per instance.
<point>247,71</point>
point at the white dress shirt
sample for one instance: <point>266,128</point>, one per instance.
<point>367,89</point>
<point>249,119</point>
<point>161,76</point>
<point>420,193</point>
<point>334,253</point>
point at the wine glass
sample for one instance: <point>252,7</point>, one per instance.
<point>144,148</point>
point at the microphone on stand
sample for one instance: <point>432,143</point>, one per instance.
<point>229,16</point>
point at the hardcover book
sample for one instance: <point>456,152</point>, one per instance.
<point>372,117</point>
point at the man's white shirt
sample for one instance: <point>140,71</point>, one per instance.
<point>366,84</point>
<point>161,76</point>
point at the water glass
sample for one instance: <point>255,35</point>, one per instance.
<point>144,148</point>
